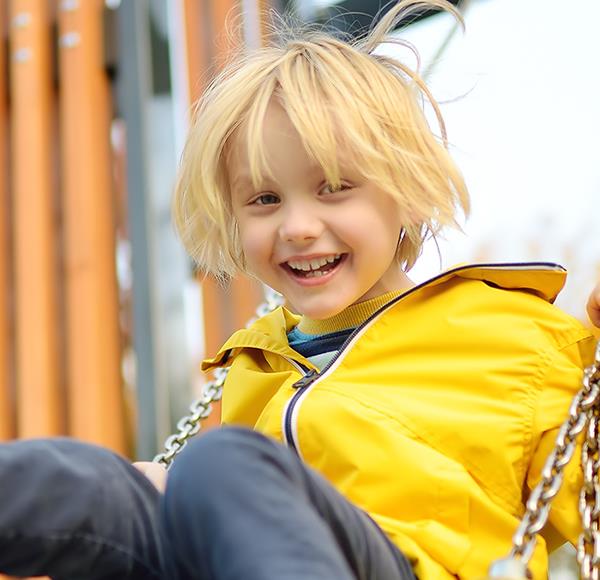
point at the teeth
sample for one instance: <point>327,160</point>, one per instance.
<point>314,264</point>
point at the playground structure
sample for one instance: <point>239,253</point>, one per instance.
<point>79,254</point>
<point>77,84</point>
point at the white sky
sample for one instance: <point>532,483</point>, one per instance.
<point>525,134</point>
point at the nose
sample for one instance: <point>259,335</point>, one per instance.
<point>300,223</point>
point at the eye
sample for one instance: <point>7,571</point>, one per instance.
<point>329,188</point>
<point>265,199</point>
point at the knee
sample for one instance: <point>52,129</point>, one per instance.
<point>49,474</point>
<point>218,462</point>
<point>63,467</point>
<point>217,454</point>
<point>68,459</point>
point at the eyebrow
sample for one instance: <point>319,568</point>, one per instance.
<point>245,179</point>
<point>242,187</point>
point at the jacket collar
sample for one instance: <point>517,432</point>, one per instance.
<point>544,279</point>
<point>269,332</point>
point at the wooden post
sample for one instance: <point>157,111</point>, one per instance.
<point>237,303</point>
<point>240,300</point>
<point>38,334</point>
<point>96,410</point>
<point>6,370</point>
<point>196,26</point>
<point>226,310</point>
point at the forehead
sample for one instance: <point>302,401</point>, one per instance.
<point>262,139</point>
<point>274,125</point>
<point>261,145</point>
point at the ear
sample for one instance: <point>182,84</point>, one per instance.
<point>408,216</point>
<point>237,251</point>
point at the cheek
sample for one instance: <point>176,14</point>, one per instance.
<point>382,237</point>
<point>392,222</point>
<point>254,247</point>
<point>377,228</point>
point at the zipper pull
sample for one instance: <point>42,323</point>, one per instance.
<point>306,380</point>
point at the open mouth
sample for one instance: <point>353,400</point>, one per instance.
<point>314,268</point>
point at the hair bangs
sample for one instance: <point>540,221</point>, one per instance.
<point>305,97</point>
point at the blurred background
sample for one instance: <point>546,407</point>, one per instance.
<point>103,321</point>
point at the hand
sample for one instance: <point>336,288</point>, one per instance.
<point>155,472</point>
<point>593,306</point>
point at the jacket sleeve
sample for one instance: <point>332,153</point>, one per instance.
<point>563,380</point>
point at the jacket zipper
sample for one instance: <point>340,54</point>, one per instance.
<point>311,377</point>
<point>288,413</point>
<point>307,374</point>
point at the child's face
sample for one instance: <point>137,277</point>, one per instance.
<point>323,250</point>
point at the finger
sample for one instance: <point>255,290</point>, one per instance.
<point>155,472</point>
<point>593,306</point>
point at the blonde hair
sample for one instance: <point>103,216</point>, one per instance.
<point>340,96</point>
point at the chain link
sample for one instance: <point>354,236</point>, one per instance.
<point>190,424</point>
<point>588,548</point>
<point>584,414</point>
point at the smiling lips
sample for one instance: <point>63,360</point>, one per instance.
<point>314,267</point>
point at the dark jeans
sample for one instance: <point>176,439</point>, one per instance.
<point>237,506</point>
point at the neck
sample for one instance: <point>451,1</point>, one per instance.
<point>349,317</point>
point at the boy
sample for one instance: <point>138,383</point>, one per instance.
<point>415,418</point>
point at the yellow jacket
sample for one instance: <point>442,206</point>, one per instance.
<point>436,416</point>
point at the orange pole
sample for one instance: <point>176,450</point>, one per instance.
<point>218,321</point>
<point>6,379</point>
<point>246,295</point>
<point>241,299</point>
<point>224,310</point>
<point>197,56</point>
<point>198,52</point>
<point>224,14</point>
<point>196,22</point>
<point>264,6</point>
<point>237,303</point>
<point>96,409</point>
<point>39,406</point>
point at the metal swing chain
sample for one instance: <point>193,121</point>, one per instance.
<point>583,412</point>
<point>190,424</point>
<point>588,547</point>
